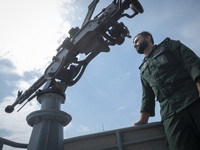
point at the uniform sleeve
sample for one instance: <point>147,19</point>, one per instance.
<point>148,98</point>
<point>189,60</point>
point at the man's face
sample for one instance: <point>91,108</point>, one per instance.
<point>140,44</point>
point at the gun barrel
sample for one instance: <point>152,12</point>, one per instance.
<point>20,99</point>
<point>9,108</point>
<point>31,90</point>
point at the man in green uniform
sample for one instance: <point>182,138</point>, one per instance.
<point>170,72</point>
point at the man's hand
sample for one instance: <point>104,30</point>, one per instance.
<point>143,118</point>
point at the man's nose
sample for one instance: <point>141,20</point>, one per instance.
<point>134,45</point>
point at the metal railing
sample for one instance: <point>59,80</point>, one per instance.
<point>11,143</point>
<point>149,136</point>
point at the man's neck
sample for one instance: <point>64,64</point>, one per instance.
<point>148,50</point>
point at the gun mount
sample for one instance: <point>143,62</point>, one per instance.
<point>94,36</point>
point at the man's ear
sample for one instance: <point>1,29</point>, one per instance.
<point>148,38</point>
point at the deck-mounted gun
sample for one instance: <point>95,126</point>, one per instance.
<point>94,36</point>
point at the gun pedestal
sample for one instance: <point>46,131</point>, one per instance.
<point>48,123</point>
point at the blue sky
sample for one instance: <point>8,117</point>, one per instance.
<point>108,96</point>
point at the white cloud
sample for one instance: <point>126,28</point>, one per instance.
<point>6,67</point>
<point>83,128</point>
<point>14,124</point>
<point>121,108</point>
<point>29,33</point>
<point>32,30</point>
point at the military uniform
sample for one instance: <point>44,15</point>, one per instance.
<point>168,74</point>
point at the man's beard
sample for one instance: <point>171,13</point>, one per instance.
<point>142,47</point>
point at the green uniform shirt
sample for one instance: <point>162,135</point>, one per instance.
<point>169,74</point>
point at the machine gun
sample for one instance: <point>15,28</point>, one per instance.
<point>94,36</point>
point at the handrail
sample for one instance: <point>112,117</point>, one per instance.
<point>11,143</point>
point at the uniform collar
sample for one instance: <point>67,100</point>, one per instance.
<point>151,53</point>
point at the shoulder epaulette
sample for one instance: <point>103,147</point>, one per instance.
<point>165,40</point>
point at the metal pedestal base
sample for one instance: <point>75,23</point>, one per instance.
<point>48,123</point>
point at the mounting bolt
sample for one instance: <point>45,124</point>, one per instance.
<point>55,58</point>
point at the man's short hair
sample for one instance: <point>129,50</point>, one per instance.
<point>145,34</point>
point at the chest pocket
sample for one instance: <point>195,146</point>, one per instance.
<point>147,75</point>
<point>165,61</point>
<point>161,58</point>
<point>155,66</point>
<point>170,71</point>
<point>145,72</point>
